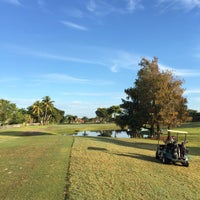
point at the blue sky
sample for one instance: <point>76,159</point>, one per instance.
<point>84,53</point>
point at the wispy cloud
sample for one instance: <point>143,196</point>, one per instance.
<point>93,94</point>
<point>13,2</point>
<point>133,4</point>
<point>74,25</point>
<point>113,59</point>
<point>181,72</point>
<point>103,8</point>
<point>62,78</point>
<point>193,91</point>
<point>55,77</point>
<point>123,59</point>
<point>179,4</point>
<point>46,55</point>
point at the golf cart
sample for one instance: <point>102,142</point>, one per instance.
<point>172,151</point>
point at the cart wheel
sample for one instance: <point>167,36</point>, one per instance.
<point>164,160</point>
<point>186,164</point>
<point>157,155</point>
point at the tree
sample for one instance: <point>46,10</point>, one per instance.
<point>155,100</point>
<point>7,109</point>
<point>37,111</point>
<point>71,118</point>
<point>194,115</point>
<point>58,115</point>
<point>102,114</point>
<point>20,116</point>
<point>48,106</point>
<point>114,111</point>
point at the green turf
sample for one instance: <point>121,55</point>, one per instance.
<point>34,164</point>
<point>34,167</point>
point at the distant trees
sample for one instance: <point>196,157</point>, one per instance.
<point>155,100</point>
<point>107,114</point>
<point>7,111</point>
<point>44,112</point>
<point>194,115</point>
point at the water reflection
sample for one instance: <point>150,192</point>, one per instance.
<point>103,133</point>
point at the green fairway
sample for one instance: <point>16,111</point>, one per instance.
<point>34,167</point>
<point>106,168</point>
<point>34,164</point>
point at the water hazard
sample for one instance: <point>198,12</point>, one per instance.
<point>104,133</point>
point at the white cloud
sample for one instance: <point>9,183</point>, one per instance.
<point>180,4</point>
<point>187,73</point>
<point>91,6</point>
<point>60,78</point>
<point>74,25</point>
<point>193,91</point>
<point>55,77</point>
<point>132,4</point>
<point>13,2</point>
<point>123,60</point>
<point>113,59</point>
<point>181,72</point>
<point>103,8</point>
<point>93,94</point>
<point>42,54</point>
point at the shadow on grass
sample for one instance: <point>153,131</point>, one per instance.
<point>139,156</point>
<point>131,155</point>
<point>195,151</point>
<point>23,133</point>
<point>97,148</point>
<point>140,145</point>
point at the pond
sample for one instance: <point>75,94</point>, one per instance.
<point>104,133</point>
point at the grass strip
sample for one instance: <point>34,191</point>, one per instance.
<point>34,167</point>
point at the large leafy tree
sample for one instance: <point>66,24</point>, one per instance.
<point>155,100</point>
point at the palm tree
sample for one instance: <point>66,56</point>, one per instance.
<point>38,111</point>
<point>48,106</point>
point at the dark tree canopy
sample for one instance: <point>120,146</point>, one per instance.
<point>156,99</point>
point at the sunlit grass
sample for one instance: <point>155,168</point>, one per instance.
<point>34,167</point>
<point>108,168</point>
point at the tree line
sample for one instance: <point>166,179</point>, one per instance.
<point>154,101</point>
<point>43,112</point>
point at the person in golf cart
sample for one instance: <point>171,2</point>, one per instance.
<point>179,150</point>
<point>170,139</point>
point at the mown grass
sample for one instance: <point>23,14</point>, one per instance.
<point>34,160</point>
<point>34,167</point>
<point>109,168</point>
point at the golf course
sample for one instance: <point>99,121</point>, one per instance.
<point>50,163</point>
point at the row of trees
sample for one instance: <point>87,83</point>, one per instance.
<point>42,112</point>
